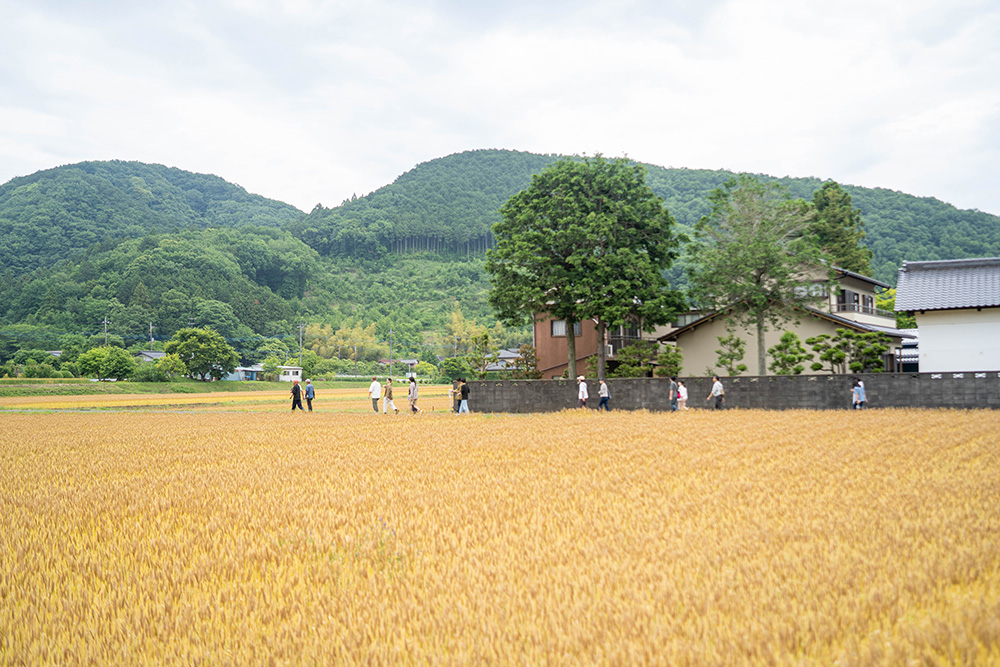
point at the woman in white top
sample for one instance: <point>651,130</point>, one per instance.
<point>682,396</point>
<point>583,395</point>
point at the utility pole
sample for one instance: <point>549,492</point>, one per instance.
<point>390,351</point>
<point>150,336</point>
<point>302,326</point>
<point>106,323</point>
<point>355,358</point>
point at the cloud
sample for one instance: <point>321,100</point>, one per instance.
<point>312,102</point>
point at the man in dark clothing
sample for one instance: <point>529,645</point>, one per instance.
<point>463,388</point>
<point>296,396</point>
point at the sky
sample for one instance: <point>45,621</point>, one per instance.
<point>312,102</point>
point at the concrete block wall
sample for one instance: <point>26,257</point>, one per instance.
<point>812,392</point>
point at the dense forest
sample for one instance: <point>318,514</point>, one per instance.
<point>447,206</point>
<point>58,213</point>
<point>143,246</point>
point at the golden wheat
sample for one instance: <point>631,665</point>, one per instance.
<point>571,538</point>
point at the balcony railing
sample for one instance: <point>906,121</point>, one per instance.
<point>867,310</point>
<point>616,343</point>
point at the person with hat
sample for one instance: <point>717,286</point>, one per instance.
<point>583,395</point>
<point>296,395</point>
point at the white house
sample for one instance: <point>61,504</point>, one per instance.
<point>289,373</point>
<point>957,307</point>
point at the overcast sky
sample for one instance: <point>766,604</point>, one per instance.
<point>310,102</point>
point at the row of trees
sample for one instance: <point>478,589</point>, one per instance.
<point>198,353</point>
<point>588,239</point>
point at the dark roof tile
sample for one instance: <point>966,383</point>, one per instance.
<point>948,284</point>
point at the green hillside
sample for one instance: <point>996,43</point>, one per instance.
<point>141,244</point>
<point>57,213</point>
<point>448,205</point>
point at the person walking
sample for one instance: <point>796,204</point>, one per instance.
<point>412,395</point>
<point>858,394</point>
<point>296,393</point>
<point>673,394</point>
<point>718,393</point>
<point>682,396</point>
<point>374,392</point>
<point>310,394</point>
<point>583,394</point>
<point>463,391</point>
<point>605,395</point>
<point>388,403</point>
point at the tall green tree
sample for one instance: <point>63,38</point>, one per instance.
<point>839,230</point>
<point>204,352</point>
<point>752,256</point>
<point>107,362</point>
<point>587,239</point>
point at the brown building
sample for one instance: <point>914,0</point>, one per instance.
<point>552,353</point>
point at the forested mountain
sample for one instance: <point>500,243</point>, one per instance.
<point>445,206</point>
<point>448,205</point>
<point>56,213</point>
<point>140,244</point>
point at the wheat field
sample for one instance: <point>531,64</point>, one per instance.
<point>339,537</point>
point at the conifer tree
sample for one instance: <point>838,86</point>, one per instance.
<point>839,230</point>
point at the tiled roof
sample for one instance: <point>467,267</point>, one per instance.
<point>948,284</point>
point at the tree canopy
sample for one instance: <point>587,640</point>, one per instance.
<point>204,352</point>
<point>587,239</point>
<point>752,256</point>
<point>839,230</point>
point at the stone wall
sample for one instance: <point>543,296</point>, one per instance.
<point>814,392</point>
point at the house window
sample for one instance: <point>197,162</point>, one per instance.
<point>815,289</point>
<point>559,328</point>
<point>848,300</point>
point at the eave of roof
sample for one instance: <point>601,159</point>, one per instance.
<point>836,319</point>
<point>863,278</point>
<point>953,284</point>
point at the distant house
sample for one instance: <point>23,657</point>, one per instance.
<point>247,373</point>
<point>148,356</point>
<point>505,360</point>
<point>289,373</point>
<point>850,305</point>
<point>957,307</point>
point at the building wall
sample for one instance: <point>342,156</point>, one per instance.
<point>699,345</point>
<point>552,353</point>
<point>959,340</point>
<point>967,390</point>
